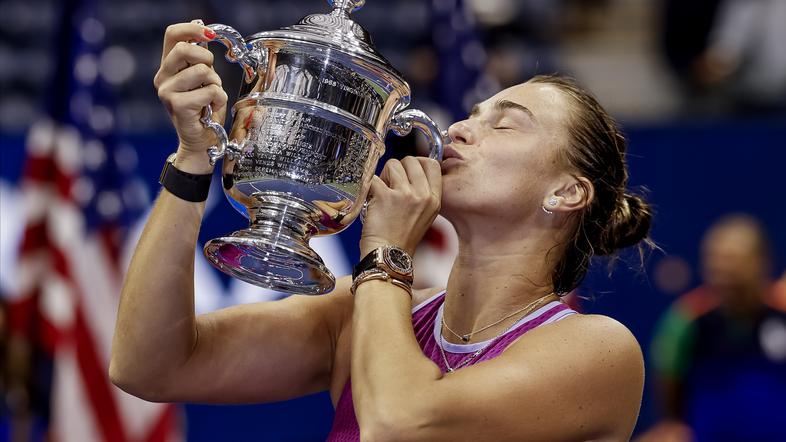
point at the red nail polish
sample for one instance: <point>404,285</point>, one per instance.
<point>209,33</point>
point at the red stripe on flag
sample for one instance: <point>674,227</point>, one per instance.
<point>96,382</point>
<point>45,180</point>
<point>108,235</point>
<point>94,374</point>
<point>49,335</point>
<point>44,170</point>
<point>63,184</point>
<point>35,238</point>
<point>21,314</point>
<point>39,169</point>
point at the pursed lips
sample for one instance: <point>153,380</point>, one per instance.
<point>450,157</point>
<point>450,152</point>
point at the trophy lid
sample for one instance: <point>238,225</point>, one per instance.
<point>337,30</point>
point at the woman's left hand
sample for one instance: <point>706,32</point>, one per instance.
<point>404,200</point>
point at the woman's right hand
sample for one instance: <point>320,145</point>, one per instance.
<point>186,83</point>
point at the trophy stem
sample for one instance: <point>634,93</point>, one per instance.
<point>274,252</point>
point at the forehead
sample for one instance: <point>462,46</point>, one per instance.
<point>547,102</point>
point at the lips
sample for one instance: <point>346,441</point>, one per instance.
<point>450,159</point>
<point>450,152</point>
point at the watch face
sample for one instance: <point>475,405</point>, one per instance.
<point>399,260</point>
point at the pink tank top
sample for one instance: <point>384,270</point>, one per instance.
<point>426,320</point>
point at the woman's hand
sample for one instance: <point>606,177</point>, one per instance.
<point>404,200</point>
<point>186,83</point>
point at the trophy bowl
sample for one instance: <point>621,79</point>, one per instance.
<point>315,103</point>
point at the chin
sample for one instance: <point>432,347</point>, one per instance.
<point>454,204</point>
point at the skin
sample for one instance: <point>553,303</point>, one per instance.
<point>577,379</point>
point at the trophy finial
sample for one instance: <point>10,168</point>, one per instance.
<point>346,6</point>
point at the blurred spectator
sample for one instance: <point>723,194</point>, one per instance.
<point>720,350</point>
<point>686,29</point>
<point>728,53</point>
<point>780,293</point>
<point>745,53</point>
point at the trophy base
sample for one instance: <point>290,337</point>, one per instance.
<point>271,259</point>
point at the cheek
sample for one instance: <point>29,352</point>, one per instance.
<point>518,174</point>
<point>514,185</point>
<point>513,176</point>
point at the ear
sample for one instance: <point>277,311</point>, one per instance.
<point>572,193</point>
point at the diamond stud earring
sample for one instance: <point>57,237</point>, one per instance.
<point>552,202</point>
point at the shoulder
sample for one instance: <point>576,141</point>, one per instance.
<point>590,365</point>
<point>590,333</point>
<point>599,355</point>
<point>592,345</point>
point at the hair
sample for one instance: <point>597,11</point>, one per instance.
<point>613,219</point>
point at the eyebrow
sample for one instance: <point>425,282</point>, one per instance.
<point>503,105</point>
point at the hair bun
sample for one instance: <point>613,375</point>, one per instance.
<point>630,223</point>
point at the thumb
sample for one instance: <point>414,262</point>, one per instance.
<point>377,186</point>
<point>219,106</point>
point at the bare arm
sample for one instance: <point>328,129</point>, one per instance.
<point>161,350</point>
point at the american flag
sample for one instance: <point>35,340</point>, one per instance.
<point>80,197</point>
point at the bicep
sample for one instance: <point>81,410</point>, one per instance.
<point>264,352</point>
<point>564,383</point>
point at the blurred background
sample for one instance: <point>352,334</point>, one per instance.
<point>699,88</point>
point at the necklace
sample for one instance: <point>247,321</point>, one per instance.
<point>531,306</point>
<point>468,336</point>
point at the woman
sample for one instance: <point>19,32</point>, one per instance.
<point>534,184</point>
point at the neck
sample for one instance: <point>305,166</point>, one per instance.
<point>495,275</point>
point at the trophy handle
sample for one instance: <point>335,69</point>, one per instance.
<point>403,123</point>
<point>251,60</point>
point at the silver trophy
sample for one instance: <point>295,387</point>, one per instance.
<point>315,104</point>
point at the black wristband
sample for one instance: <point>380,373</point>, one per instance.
<point>184,185</point>
<point>367,263</point>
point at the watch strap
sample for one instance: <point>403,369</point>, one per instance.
<point>187,186</point>
<point>367,263</point>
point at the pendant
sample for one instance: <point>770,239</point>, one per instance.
<point>465,338</point>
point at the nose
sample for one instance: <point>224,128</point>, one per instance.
<point>461,132</point>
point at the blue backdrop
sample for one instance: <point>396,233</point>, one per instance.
<point>694,172</point>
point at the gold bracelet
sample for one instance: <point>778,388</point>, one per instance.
<point>376,274</point>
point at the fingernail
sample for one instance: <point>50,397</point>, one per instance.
<point>209,33</point>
